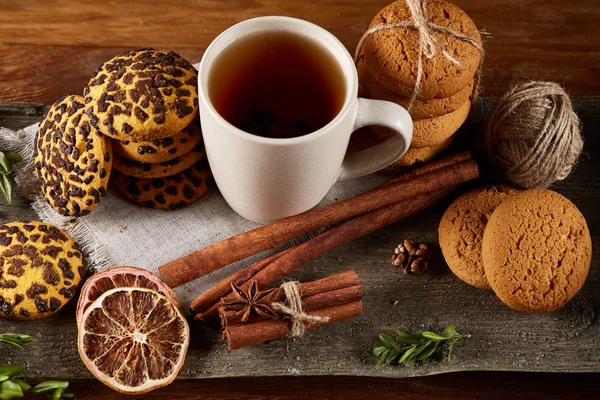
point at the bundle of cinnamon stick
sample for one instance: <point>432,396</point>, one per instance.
<point>334,298</point>
<point>399,198</point>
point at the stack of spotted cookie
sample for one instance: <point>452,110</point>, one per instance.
<point>387,68</point>
<point>141,105</point>
<point>147,102</point>
<point>533,247</point>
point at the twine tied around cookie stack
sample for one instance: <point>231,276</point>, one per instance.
<point>294,309</point>
<point>428,43</point>
<point>534,135</point>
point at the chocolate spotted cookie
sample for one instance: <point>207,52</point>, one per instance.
<point>143,95</point>
<point>72,160</point>
<point>171,192</point>
<point>40,269</point>
<point>158,170</point>
<point>160,150</point>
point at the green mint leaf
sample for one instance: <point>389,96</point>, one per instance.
<point>15,339</point>
<point>410,360</point>
<point>3,378</point>
<point>13,156</point>
<point>12,342</point>
<point>6,188</point>
<point>57,395</point>
<point>408,349</point>
<point>433,336</point>
<point>410,339</point>
<point>10,390</point>
<point>450,331</point>
<point>391,356</point>
<point>49,386</point>
<point>378,350</point>
<point>23,385</point>
<point>406,354</point>
<point>5,167</point>
<point>387,341</point>
<point>17,336</point>
<point>450,347</point>
<point>11,370</point>
<point>382,357</point>
<point>431,348</point>
<point>421,348</point>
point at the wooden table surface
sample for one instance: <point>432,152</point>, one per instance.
<point>49,49</point>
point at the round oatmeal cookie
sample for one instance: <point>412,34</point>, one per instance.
<point>170,192</point>
<point>431,132</point>
<point>158,170</point>
<point>160,150</point>
<point>40,269</point>
<point>391,55</point>
<point>143,95</point>
<point>461,232</point>
<point>420,155</point>
<point>536,251</point>
<point>423,154</point>
<point>420,108</point>
<point>72,160</point>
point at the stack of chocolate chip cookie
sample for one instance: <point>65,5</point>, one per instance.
<point>141,105</point>
<point>147,102</point>
<point>388,64</point>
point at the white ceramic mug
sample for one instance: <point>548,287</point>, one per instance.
<point>266,179</point>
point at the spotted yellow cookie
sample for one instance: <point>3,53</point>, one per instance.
<point>158,170</point>
<point>72,160</point>
<point>171,192</point>
<point>160,150</point>
<point>40,269</point>
<point>143,95</point>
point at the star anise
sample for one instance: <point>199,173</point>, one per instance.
<point>252,301</point>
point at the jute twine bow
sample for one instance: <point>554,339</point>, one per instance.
<point>534,135</point>
<point>428,43</point>
<point>293,310</point>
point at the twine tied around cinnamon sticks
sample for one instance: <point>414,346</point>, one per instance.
<point>428,43</point>
<point>294,309</point>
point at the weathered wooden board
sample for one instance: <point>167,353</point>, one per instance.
<point>567,340</point>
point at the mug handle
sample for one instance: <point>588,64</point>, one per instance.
<point>381,113</point>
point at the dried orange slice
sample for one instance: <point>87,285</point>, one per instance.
<point>133,339</point>
<point>120,277</point>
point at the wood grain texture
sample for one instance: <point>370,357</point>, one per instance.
<point>457,386</point>
<point>567,340</point>
<point>51,48</point>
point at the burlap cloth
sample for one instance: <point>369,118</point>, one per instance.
<point>118,232</point>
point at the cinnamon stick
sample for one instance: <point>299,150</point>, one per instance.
<point>315,302</point>
<point>338,289</point>
<point>449,161</point>
<point>243,335</point>
<point>215,256</point>
<point>223,288</point>
<point>338,236</point>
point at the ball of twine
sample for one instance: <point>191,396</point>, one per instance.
<point>533,134</point>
